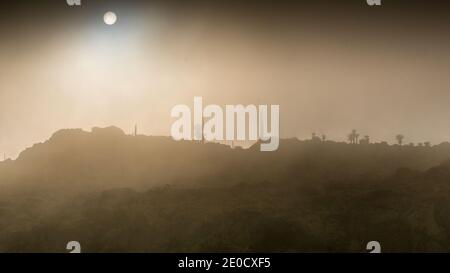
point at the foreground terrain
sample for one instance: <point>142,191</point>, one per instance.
<point>118,193</point>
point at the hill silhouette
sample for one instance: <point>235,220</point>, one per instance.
<point>121,193</point>
<point>107,158</point>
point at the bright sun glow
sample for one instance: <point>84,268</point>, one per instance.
<point>110,18</point>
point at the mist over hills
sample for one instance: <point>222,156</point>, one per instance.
<point>122,193</point>
<point>107,158</point>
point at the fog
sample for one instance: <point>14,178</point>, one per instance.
<point>331,68</point>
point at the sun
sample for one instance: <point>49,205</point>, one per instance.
<point>110,18</point>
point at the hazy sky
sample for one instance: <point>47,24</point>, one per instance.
<point>332,66</point>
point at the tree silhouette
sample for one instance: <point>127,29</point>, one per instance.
<point>353,137</point>
<point>400,138</point>
<point>350,138</point>
<point>365,140</point>
<point>314,137</point>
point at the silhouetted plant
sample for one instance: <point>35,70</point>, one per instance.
<point>314,137</point>
<point>350,138</point>
<point>353,137</point>
<point>365,140</point>
<point>400,139</point>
